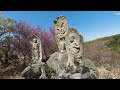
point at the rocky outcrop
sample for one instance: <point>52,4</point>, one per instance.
<point>32,72</point>
<point>67,63</point>
<point>58,61</point>
<point>38,71</point>
<point>61,30</point>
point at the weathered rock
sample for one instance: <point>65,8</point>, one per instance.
<point>69,75</point>
<point>89,70</point>
<point>35,69</point>
<point>58,60</point>
<point>56,69</point>
<point>61,29</point>
<point>74,47</point>
<point>32,72</point>
<point>75,76</point>
<point>36,49</point>
<point>38,71</point>
<point>67,63</point>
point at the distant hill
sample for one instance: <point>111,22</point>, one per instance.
<point>110,42</point>
<point>104,50</point>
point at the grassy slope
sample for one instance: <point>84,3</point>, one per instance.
<point>111,42</point>
<point>105,52</point>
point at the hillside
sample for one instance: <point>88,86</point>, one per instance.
<point>104,50</point>
<point>110,42</point>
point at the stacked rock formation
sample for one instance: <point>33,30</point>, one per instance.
<point>68,62</point>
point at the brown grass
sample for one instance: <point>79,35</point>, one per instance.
<point>107,62</point>
<point>101,55</point>
<point>108,74</point>
<point>11,71</point>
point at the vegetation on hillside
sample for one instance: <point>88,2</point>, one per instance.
<point>105,51</point>
<point>110,42</point>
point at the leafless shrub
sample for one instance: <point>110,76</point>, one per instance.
<point>101,55</point>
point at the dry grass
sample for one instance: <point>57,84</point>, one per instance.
<point>11,71</point>
<point>12,77</point>
<point>101,55</point>
<point>108,74</point>
<point>107,61</point>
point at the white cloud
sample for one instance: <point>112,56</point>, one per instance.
<point>117,13</point>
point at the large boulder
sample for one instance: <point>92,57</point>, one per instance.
<point>38,71</point>
<point>32,71</point>
<point>58,61</point>
<point>56,68</point>
<point>89,70</point>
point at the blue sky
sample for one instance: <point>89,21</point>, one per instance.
<point>90,24</point>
